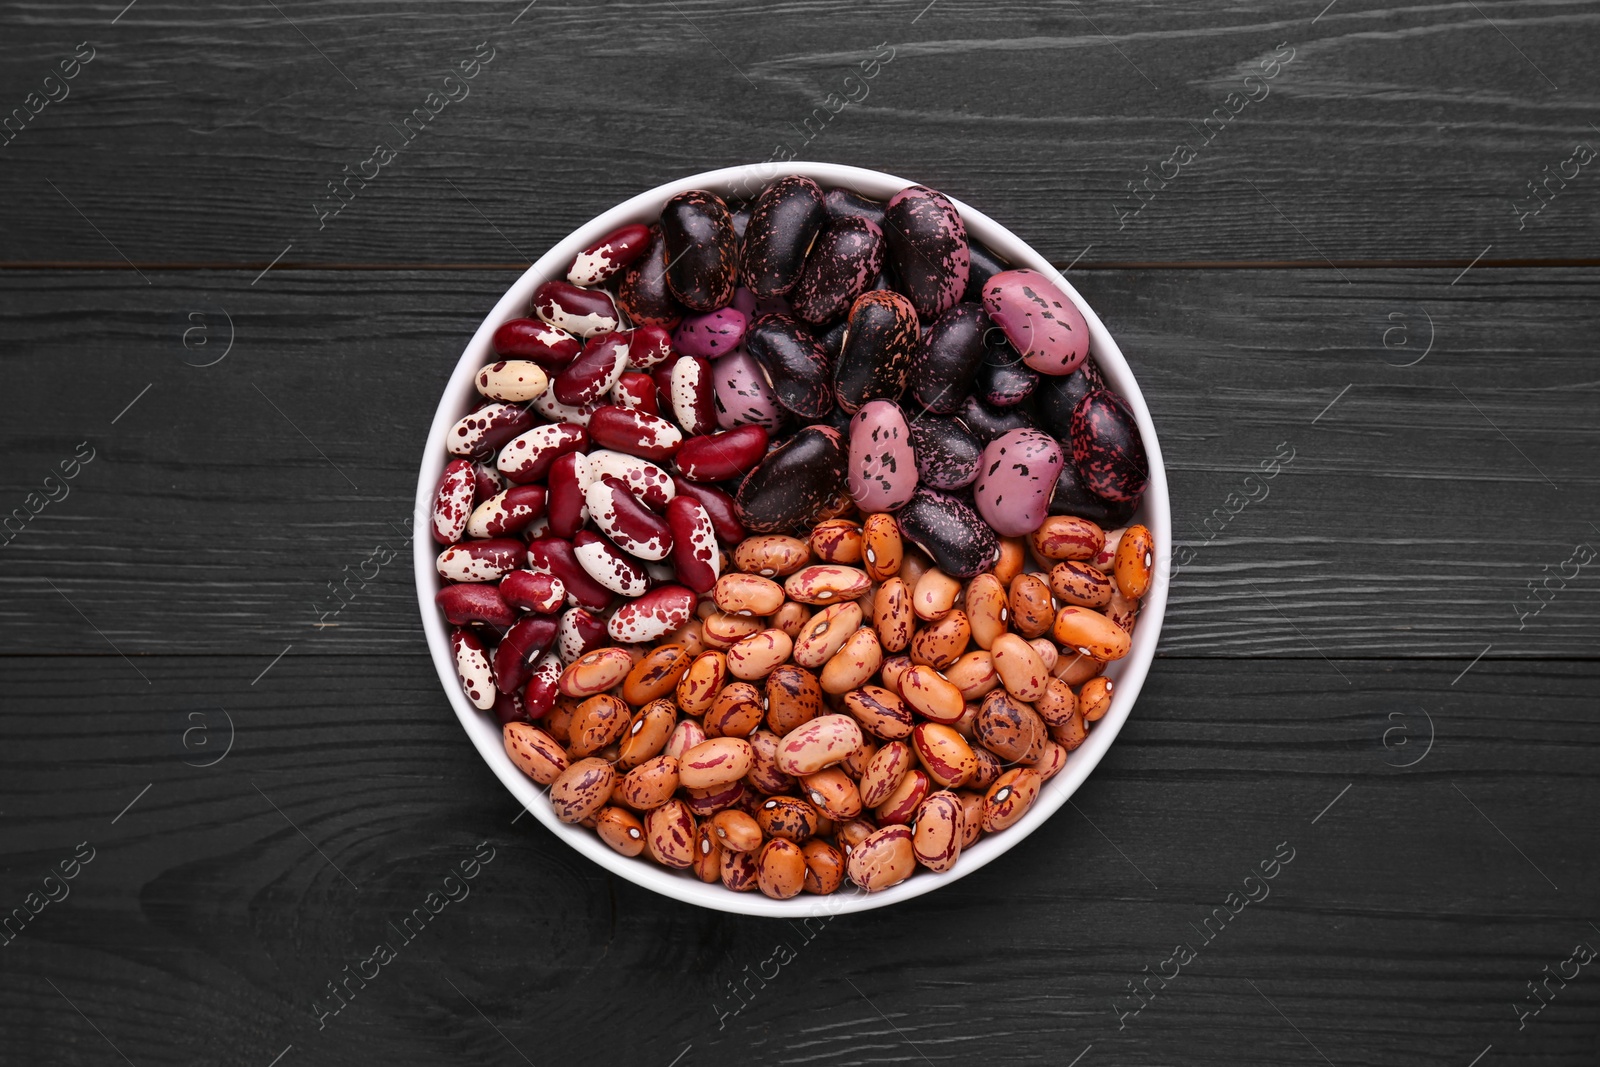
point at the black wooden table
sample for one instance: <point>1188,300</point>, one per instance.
<point>1362,237</point>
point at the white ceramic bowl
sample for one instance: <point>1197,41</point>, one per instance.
<point>459,395</point>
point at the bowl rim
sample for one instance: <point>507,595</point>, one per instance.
<point>1128,674</point>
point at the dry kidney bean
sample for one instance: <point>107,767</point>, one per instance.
<point>528,457</point>
<point>854,664</point>
<point>533,339</point>
<point>647,734</point>
<point>609,565</point>
<point>736,712</point>
<point>837,541</point>
<point>819,743</point>
<point>508,511</point>
<point>521,647</point>
<point>669,834</point>
<point>578,631</point>
<point>1021,670</point>
<point>791,618</point>
<point>884,858</point>
<point>715,763</point>
<point>707,855</point>
<point>880,712</point>
<point>788,818</point>
<point>943,753</point>
<point>936,841</point>
<point>1135,562</point>
<point>597,368</point>
<point>474,604</point>
<point>833,792</point>
<point>621,829</point>
<point>1122,611</point>
<point>635,391</point>
<point>694,544</point>
<point>1089,633</point>
<point>747,594</point>
<point>598,721</point>
<point>845,259</point>
<point>582,312</point>
<point>1074,582</point>
<point>722,631</point>
<point>1094,699</point>
<point>607,256</point>
<point>781,869</point>
<point>717,457</point>
<point>973,674</point>
<point>825,634</point>
<point>702,250</point>
<point>879,343</point>
<point>636,433</point>
<point>1008,727</point>
<point>739,872</point>
<point>824,866</point>
<point>942,643</point>
<point>480,561</point>
<point>656,674</point>
<point>793,698</point>
<point>759,654</point>
<point>514,381</point>
<point>1032,612</point>
<point>621,516</point>
<point>650,784</point>
<point>1010,798</point>
<point>707,802</point>
<point>582,789</point>
<point>881,547</point>
<point>481,432</point>
<point>931,694</point>
<point>927,245</point>
<point>1066,537</point>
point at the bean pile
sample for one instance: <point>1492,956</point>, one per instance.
<point>737,542</point>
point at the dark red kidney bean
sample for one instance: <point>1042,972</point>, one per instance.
<point>693,394</point>
<point>795,483</point>
<point>635,432</point>
<point>520,649</point>
<point>479,433</point>
<point>475,604</point>
<point>1107,448</point>
<point>489,481</point>
<point>579,631</point>
<point>795,364</point>
<point>533,591</point>
<point>651,344</point>
<point>927,248</point>
<point>616,250</point>
<point>565,502</point>
<point>636,391</point>
<point>643,291</point>
<point>719,506</point>
<point>947,360</point>
<point>480,561</point>
<point>842,203</point>
<point>983,264</point>
<point>953,535</point>
<point>509,707</point>
<point>622,517</point>
<point>720,456</point>
<point>581,312</point>
<point>844,260</point>
<point>552,555</point>
<point>878,347</point>
<point>1057,396</point>
<point>1003,379</point>
<point>1072,497</point>
<point>947,455</point>
<point>597,368</point>
<point>452,502</point>
<point>513,509</point>
<point>702,250</point>
<point>528,458</point>
<point>783,223</point>
<point>986,423</point>
<point>609,566</point>
<point>694,543</point>
<point>537,340</point>
<point>539,695</point>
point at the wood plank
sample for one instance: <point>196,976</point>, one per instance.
<point>1397,132</point>
<point>220,508</point>
<point>1403,930</point>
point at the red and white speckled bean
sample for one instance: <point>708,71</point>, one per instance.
<point>472,667</point>
<point>539,695</point>
<point>652,344</point>
<point>555,556</point>
<point>597,368</point>
<point>584,312</point>
<point>693,395</point>
<point>528,457</point>
<point>480,561</point>
<point>653,615</point>
<point>452,501</point>
<point>609,565</point>
<point>634,528</point>
<point>580,631</point>
<point>480,432</point>
<point>694,544</point>
<point>650,483</point>
<point>607,256</point>
<point>515,381</point>
<point>532,339</point>
<point>507,511</point>
<point>634,432</point>
<point>554,410</point>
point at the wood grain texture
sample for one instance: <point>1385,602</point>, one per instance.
<point>1402,931</point>
<point>220,508</point>
<point>208,133</point>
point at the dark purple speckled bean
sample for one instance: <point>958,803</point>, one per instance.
<point>783,224</point>
<point>795,483</point>
<point>702,250</point>
<point>927,248</point>
<point>844,262</point>
<point>878,347</point>
<point>960,543</point>
<point>794,363</point>
<point>1107,448</point>
<point>947,360</point>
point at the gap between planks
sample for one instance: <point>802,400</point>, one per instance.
<point>1086,265</point>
